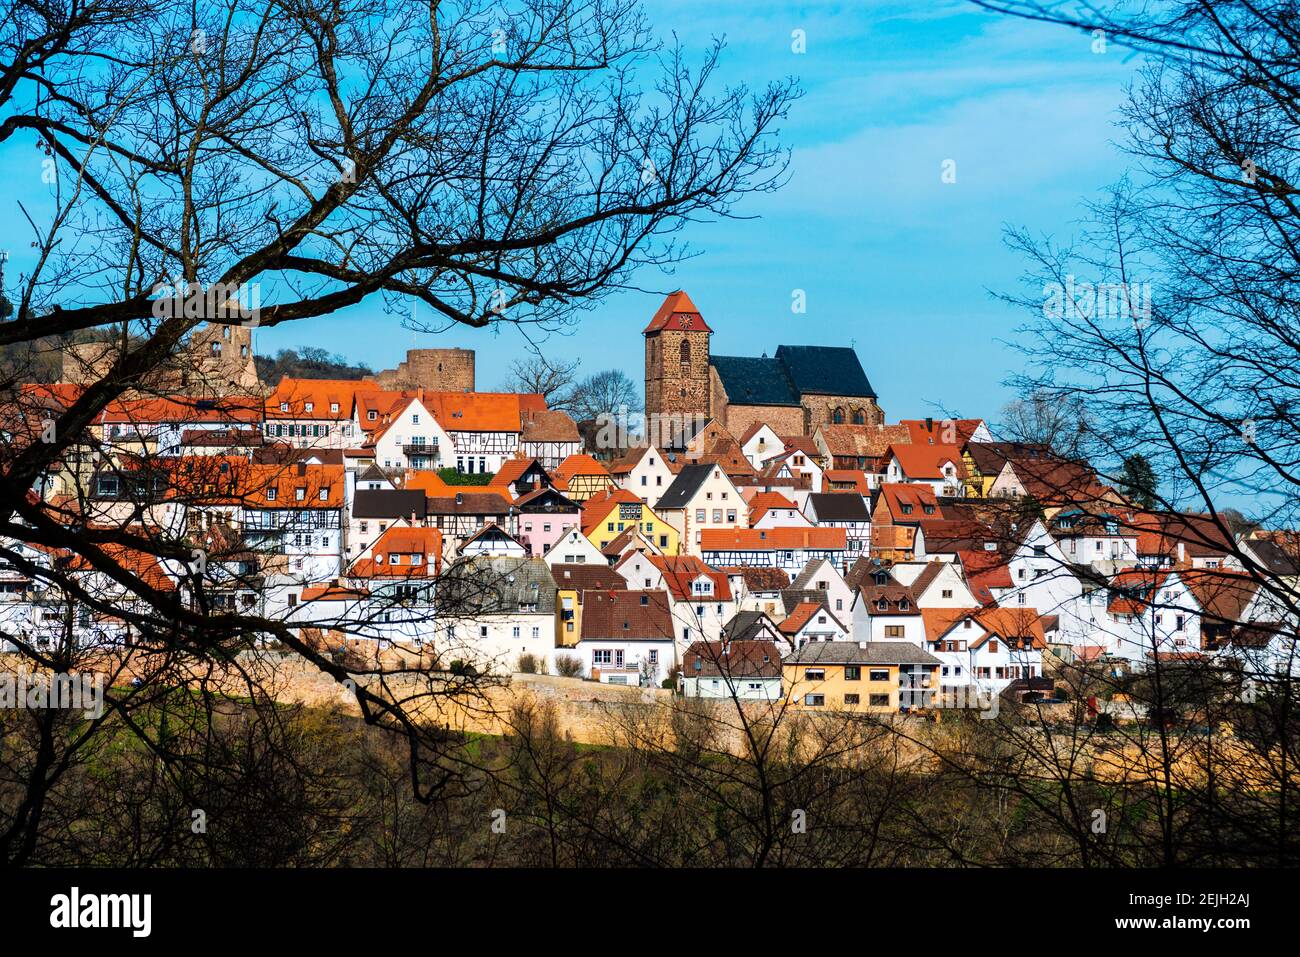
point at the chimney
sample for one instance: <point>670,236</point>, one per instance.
<point>862,645</point>
<point>929,423</point>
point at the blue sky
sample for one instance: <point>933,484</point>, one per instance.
<point>892,259</point>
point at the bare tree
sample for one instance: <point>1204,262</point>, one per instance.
<point>555,380</point>
<point>259,163</point>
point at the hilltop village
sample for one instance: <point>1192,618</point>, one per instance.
<point>788,542</point>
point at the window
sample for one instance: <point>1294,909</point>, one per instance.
<point>270,494</point>
<point>850,699</point>
<point>879,700</point>
<point>879,674</point>
<point>814,674</point>
<point>993,646</point>
<point>947,593</point>
<point>814,700</point>
<point>893,631</point>
<point>852,673</point>
<point>699,515</point>
<point>602,656</point>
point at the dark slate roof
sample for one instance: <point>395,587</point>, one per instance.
<point>684,487</point>
<point>824,370</point>
<point>866,653</point>
<point>794,371</point>
<point>1274,557</point>
<point>749,626</point>
<point>792,598</point>
<point>839,507</point>
<point>386,503</point>
<point>484,584</point>
<point>754,381</point>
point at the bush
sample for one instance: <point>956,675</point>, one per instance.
<point>452,477</point>
<point>568,666</point>
<point>527,664</point>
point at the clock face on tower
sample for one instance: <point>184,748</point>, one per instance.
<point>684,321</point>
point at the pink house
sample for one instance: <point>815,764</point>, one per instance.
<point>541,517</point>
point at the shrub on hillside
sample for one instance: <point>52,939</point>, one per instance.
<point>568,666</point>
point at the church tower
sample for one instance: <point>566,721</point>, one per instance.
<point>677,359</point>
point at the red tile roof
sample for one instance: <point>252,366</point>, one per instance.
<point>482,411</point>
<point>862,441</point>
<point>759,577</point>
<point>625,614</point>
<point>391,554</point>
<point>956,431</point>
<point>927,461</point>
<point>320,393</point>
<point>770,539</point>
<point>680,571</point>
<point>677,312</point>
<point>745,658</point>
<point>802,614</point>
<point>896,495</point>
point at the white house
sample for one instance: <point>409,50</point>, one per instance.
<point>811,621</point>
<point>411,439</point>
<point>822,577</point>
<point>493,610</point>
<point>887,612</point>
<point>788,549</point>
<point>774,510</point>
<point>574,548</point>
<point>701,498</point>
<point>492,539</point>
<point>627,637</point>
<point>987,648</point>
<point>735,670</point>
<point>646,472</point>
<point>846,510</point>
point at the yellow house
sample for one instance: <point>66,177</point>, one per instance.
<point>618,512</point>
<point>580,477</point>
<point>571,581</point>
<point>876,676</point>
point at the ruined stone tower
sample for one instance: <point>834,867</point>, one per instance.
<point>436,370</point>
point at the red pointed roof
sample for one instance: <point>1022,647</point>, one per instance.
<point>678,312</point>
